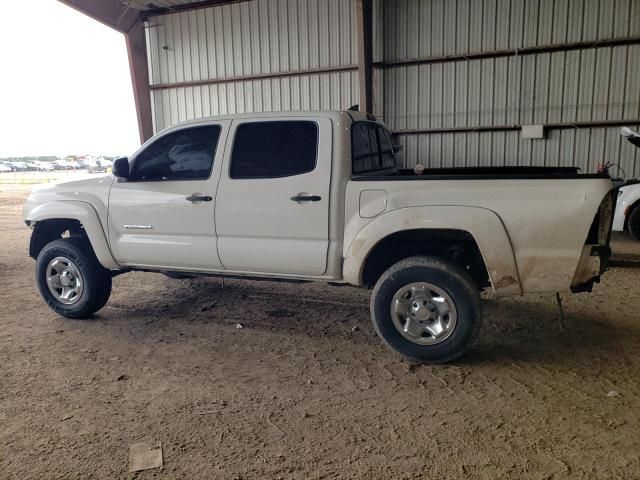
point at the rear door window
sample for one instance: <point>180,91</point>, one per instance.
<point>274,149</point>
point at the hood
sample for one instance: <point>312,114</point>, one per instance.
<point>93,190</point>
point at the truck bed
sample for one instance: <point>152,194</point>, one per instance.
<point>479,173</point>
<point>544,214</point>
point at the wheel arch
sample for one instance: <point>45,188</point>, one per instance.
<point>475,227</point>
<point>51,219</point>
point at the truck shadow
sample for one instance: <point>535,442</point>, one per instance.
<point>625,261</point>
<point>529,330</point>
<point>525,329</point>
<point>625,251</point>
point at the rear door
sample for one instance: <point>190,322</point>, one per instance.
<point>163,215</point>
<point>272,209</point>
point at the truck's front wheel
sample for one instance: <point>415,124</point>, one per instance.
<point>426,309</point>
<point>70,278</point>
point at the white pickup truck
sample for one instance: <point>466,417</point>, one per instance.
<point>627,216</point>
<point>318,196</point>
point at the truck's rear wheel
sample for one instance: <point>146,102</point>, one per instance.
<point>70,278</point>
<point>633,223</point>
<point>426,309</point>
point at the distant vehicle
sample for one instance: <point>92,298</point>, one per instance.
<point>627,213</point>
<point>99,165</point>
<point>19,166</point>
<point>24,166</point>
<point>61,165</point>
<point>4,168</point>
<point>44,166</point>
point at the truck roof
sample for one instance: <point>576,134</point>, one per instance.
<point>335,114</point>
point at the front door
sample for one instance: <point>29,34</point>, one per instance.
<point>162,216</point>
<point>272,214</point>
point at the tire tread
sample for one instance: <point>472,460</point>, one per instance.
<point>97,279</point>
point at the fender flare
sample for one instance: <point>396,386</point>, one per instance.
<point>484,225</point>
<point>84,213</point>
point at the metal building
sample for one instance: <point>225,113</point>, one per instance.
<point>454,79</point>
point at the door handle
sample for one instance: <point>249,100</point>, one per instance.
<point>199,198</point>
<point>306,198</point>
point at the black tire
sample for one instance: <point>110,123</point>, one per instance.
<point>447,276</point>
<point>96,279</point>
<point>633,223</point>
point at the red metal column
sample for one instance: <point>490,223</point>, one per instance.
<point>139,68</point>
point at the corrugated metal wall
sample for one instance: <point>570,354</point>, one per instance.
<point>261,37</point>
<point>589,84</point>
<point>200,60</point>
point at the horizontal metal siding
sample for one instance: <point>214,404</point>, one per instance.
<point>591,84</point>
<point>580,85</point>
<point>252,38</point>
<point>428,28</point>
<point>304,92</point>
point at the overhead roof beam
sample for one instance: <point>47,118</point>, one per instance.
<point>112,13</point>
<point>196,4</point>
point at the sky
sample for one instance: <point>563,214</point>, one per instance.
<point>65,87</point>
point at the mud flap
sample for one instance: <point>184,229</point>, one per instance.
<point>594,261</point>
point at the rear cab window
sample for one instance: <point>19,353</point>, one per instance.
<point>274,149</point>
<point>371,148</point>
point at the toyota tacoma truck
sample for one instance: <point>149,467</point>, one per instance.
<point>320,196</point>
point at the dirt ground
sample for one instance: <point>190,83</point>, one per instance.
<point>305,389</point>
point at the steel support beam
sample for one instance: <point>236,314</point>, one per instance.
<point>536,50</point>
<point>139,68</point>
<point>364,26</point>
<point>506,128</point>
<point>260,76</point>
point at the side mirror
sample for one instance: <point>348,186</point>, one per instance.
<point>397,148</point>
<point>121,167</point>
